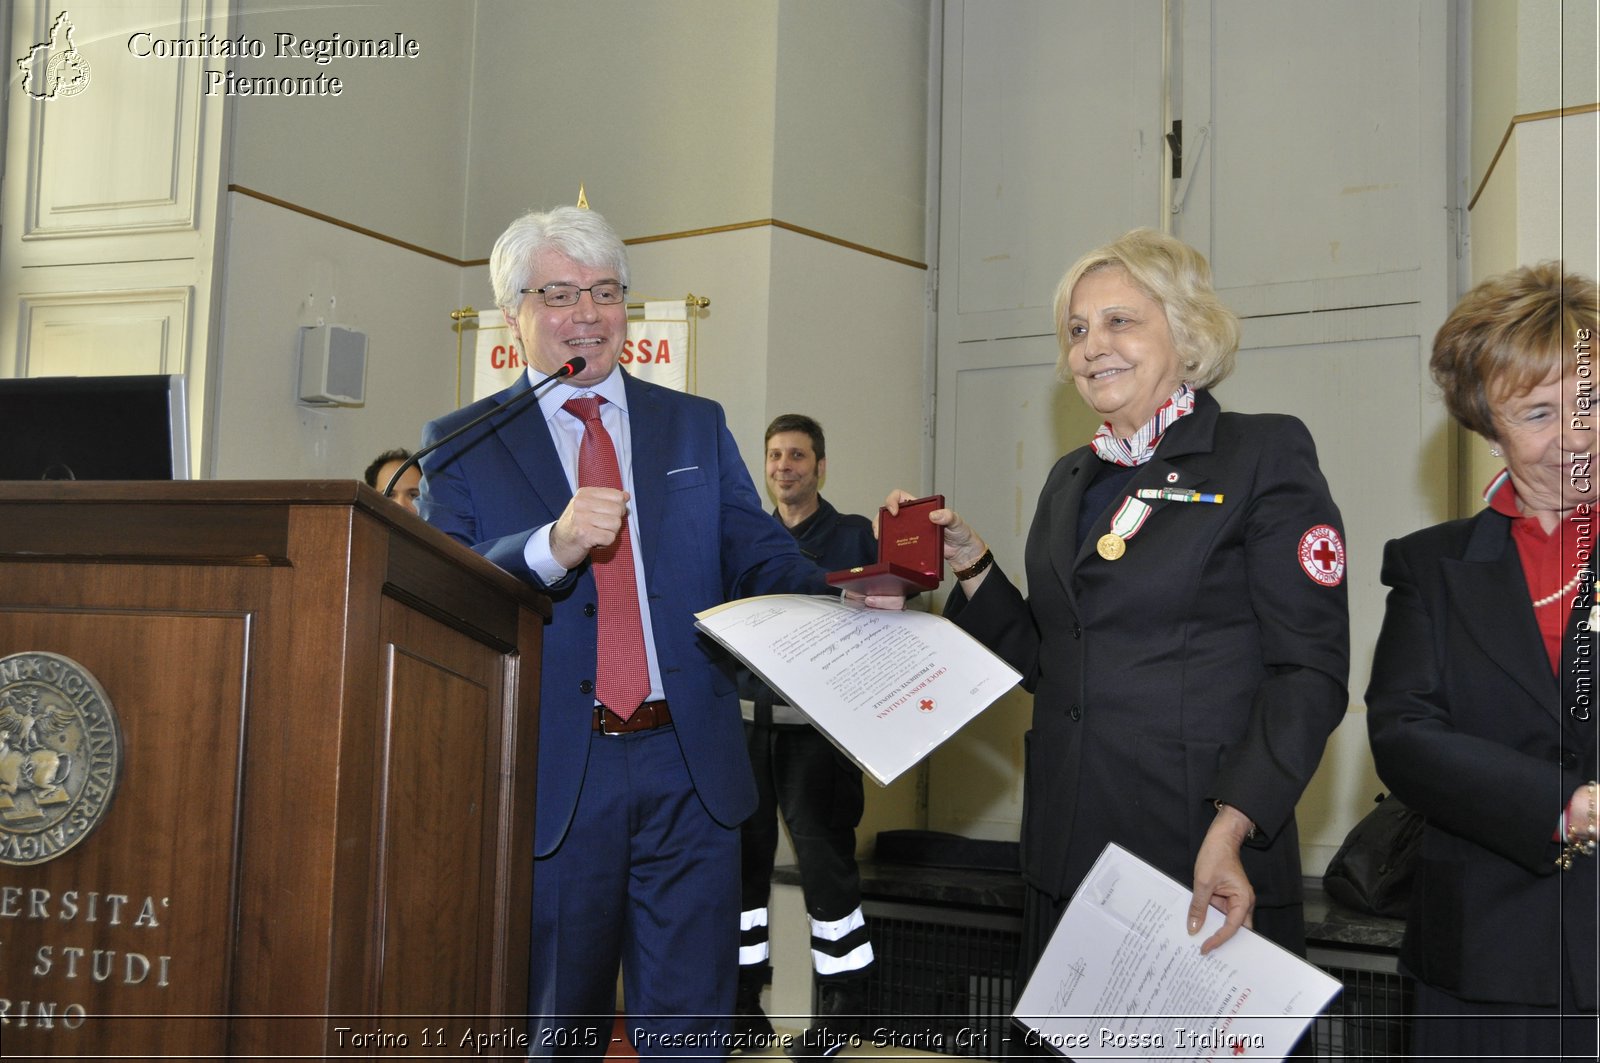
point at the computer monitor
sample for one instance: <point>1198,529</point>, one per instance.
<point>94,428</point>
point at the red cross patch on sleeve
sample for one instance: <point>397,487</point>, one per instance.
<point>1322,555</point>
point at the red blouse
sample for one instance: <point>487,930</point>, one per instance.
<point>1551,562</point>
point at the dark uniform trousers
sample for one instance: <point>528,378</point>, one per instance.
<point>818,791</point>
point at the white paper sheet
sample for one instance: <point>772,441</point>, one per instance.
<point>1123,979</point>
<point>886,687</point>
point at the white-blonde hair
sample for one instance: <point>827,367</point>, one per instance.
<point>1204,332</point>
<point>581,235</point>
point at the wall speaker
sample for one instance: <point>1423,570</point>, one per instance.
<point>333,366</point>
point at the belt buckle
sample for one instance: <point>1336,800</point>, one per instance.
<point>602,724</point>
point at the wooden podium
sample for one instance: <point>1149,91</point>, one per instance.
<point>315,834</point>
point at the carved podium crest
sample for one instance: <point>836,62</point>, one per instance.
<point>60,756</point>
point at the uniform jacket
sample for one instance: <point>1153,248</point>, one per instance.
<point>836,540</point>
<point>1205,664</point>
<point>1471,728</point>
<point>705,540</point>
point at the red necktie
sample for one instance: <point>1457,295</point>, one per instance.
<point>623,679</point>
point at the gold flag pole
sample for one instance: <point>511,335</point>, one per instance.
<point>461,320</point>
<point>695,303</point>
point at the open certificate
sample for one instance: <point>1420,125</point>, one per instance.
<point>885,687</point>
<point>1122,978</point>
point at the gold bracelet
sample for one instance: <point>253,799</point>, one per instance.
<point>976,567</point>
<point>1571,850</point>
<point>1581,846</point>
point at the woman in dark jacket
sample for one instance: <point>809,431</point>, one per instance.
<point>1482,706</point>
<point>1185,629</point>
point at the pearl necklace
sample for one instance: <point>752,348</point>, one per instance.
<point>1562,593</point>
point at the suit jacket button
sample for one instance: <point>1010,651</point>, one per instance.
<point>1076,713</point>
<point>586,687</point>
<point>1077,632</point>
<point>589,609</point>
<point>1569,760</point>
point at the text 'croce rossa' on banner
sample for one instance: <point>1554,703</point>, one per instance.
<point>657,350</point>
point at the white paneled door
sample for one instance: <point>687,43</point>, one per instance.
<point>1317,173</point>
<point>108,203</point>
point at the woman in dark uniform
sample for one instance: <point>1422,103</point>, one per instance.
<point>1482,702</point>
<point>1185,629</point>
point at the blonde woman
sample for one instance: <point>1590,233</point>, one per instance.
<point>1185,632</point>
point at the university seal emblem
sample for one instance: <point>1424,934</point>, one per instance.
<point>60,756</point>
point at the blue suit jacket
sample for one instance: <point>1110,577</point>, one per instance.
<point>705,540</point>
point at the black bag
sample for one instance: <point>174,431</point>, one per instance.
<point>1372,870</point>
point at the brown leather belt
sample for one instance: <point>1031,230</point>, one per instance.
<point>646,717</point>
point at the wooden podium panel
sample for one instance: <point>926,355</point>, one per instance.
<point>118,913</point>
<point>315,833</point>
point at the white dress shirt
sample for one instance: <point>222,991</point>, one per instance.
<point>566,431</point>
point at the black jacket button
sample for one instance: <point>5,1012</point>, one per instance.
<point>586,687</point>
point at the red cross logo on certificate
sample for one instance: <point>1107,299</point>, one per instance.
<point>1322,555</point>
<point>926,704</point>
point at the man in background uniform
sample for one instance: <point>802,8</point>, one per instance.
<point>800,772</point>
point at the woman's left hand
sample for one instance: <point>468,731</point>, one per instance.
<point>1219,878</point>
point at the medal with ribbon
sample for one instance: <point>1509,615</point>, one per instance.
<point>1125,524</point>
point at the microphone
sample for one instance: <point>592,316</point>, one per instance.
<point>571,367</point>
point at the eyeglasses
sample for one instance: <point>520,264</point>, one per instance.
<point>608,294</point>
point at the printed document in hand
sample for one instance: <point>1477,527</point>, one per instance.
<point>1123,979</point>
<point>886,687</point>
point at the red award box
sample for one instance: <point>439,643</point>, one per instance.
<point>910,553</point>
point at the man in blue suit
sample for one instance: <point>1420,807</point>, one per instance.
<point>639,803</point>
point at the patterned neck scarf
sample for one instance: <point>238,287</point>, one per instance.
<point>1142,447</point>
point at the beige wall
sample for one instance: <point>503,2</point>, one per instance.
<point>284,271</point>
<point>663,111</point>
<point>852,92</point>
<point>1535,79</point>
<point>1493,77</point>
<point>390,152</point>
<point>701,113</point>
